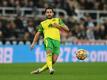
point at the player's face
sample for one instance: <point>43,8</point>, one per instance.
<point>49,13</point>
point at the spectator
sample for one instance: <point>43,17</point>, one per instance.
<point>5,3</point>
<point>24,3</point>
<point>19,23</point>
<point>105,26</point>
<point>11,3</point>
<point>89,4</point>
<point>81,27</point>
<point>89,21</point>
<point>90,27</point>
<point>90,33</point>
<point>99,32</point>
<point>1,30</point>
<point>29,31</point>
<point>82,32</point>
<point>30,4</point>
<point>40,3</point>
<point>99,5</point>
<point>10,31</point>
<point>70,7</point>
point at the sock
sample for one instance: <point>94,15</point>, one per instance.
<point>44,68</point>
<point>49,61</point>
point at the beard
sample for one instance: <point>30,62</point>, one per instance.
<point>49,17</point>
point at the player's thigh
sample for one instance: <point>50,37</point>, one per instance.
<point>55,54</point>
<point>56,47</point>
<point>48,46</point>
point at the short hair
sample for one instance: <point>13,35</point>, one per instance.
<point>49,8</point>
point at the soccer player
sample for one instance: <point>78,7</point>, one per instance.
<point>51,30</point>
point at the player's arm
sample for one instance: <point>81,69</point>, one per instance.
<point>65,28</point>
<point>61,26</point>
<point>36,37</point>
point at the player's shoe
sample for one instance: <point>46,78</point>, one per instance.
<point>51,71</point>
<point>37,71</point>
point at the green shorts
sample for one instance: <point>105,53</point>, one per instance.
<point>52,45</point>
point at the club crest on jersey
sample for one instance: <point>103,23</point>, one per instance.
<point>53,20</point>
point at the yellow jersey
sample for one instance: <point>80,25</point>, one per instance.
<point>50,32</point>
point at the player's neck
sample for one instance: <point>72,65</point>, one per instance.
<point>49,18</point>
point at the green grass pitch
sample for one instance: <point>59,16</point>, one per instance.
<point>63,71</point>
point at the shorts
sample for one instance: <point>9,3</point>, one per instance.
<point>52,45</point>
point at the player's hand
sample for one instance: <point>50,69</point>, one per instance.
<point>56,25</point>
<point>32,46</point>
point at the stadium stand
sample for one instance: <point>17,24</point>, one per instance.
<point>20,18</point>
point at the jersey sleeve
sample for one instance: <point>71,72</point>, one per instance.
<point>61,22</point>
<point>40,28</point>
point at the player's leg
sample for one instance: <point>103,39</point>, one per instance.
<point>48,65</point>
<point>49,61</point>
<point>56,51</point>
<point>49,50</point>
<point>54,58</point>
<point>49,58</point>
<point>39,70</point>
<point>45,67</point>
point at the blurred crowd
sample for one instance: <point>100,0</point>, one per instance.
<point>65,4</point>
<point>68,5</point>
<point>24,29</point>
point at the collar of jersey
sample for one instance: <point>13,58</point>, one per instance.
<point>48,18</point>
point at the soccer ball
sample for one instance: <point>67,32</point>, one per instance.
<point>81,54</point>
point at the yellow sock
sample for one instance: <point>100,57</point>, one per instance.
<point>44,68</point>
<point>49,61</point>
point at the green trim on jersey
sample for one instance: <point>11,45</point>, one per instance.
<point>61,22</point>
<point>40,28</point>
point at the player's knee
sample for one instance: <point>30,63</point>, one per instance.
<point>48,52</point>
